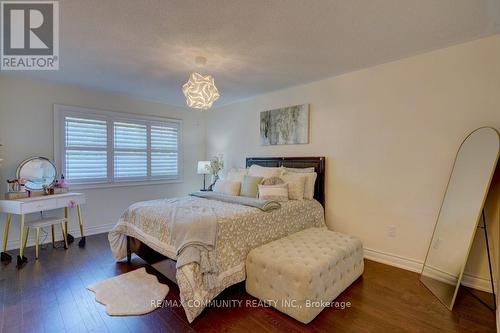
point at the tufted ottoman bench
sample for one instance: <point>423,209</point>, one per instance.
<point>303,273</point>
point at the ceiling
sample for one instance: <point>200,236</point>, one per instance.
<point>148,48</point>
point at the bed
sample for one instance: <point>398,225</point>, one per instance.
<point>142,230</point>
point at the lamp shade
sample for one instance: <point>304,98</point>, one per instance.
<point>200,91</point>
<point>203,167</point>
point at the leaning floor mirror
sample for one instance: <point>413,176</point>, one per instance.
<point>460,213</point>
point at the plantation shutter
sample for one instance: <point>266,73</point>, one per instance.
<point>164,150</point>
<point>85,149</point>
<point>96,146</point>
<point>130,150</point>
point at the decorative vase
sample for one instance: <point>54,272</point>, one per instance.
<point>214,180</point>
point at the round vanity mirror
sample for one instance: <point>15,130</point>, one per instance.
<point>38,172</point>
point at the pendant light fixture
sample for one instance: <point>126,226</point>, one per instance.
<point>200,90</point>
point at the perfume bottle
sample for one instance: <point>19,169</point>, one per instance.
<point>63,183</point>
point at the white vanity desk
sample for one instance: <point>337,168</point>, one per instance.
<point>36,204</point>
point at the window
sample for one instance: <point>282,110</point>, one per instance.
<point>104,147</point>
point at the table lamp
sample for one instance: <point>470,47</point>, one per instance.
<point>203,169</point>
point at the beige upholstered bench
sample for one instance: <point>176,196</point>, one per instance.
<point>303,273</point>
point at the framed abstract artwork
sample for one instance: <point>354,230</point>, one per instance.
<point>285,126</point>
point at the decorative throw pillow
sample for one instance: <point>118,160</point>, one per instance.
<point>227,187</point>
<point>250,186</point>
<point>236,175</point>
<point>272,181</point>
<point>309,185</point>
<point>296,184</point>
<point>277,192</point>
<point>264,172</point>
<point>310,180</point>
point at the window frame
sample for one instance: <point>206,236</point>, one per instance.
<point>62,111</point>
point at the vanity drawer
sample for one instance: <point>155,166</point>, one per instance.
<point>38,205</point>
<point>66,201</point>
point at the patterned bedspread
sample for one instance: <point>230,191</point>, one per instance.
<point>240,229</point>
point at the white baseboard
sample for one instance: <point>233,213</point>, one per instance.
<point>393,260</point>
<point>74,230</point>
<point>415,265</point>
<point>476,282</point>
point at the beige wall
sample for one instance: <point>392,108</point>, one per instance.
<point>26,129</point>
<point>390,134</point>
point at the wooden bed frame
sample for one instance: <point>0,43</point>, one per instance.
<point>166,266</point>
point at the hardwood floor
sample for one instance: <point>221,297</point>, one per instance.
<point>49,295</point>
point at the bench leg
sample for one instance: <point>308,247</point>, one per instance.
<point>37,242</point>
<point>53,236</point>
<point>65,235</point>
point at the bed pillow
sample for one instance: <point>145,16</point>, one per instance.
<point>296,184</point>
<point>277,192</point>
<point>250,186</point>
<point>309,185</point>
<point>310,180</point>
<point>227,187</point>
<point>264,172</point>
<point>272,181</point>
<point>236,175</point>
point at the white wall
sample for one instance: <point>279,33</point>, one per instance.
<point>26,129</point>
<point>390,134</point>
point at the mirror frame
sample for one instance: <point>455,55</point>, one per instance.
<point>19,167</point>
<point>469,246</point>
